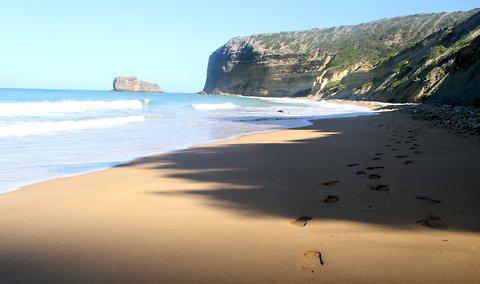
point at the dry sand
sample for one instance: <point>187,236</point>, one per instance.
<point>223,212</point>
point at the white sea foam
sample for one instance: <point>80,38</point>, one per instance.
<point>332,107</point>
<point>214,106</point>
<point>43,138</point>
<point>285,100</point>
<point>48,108</point>
<point>49,127</point>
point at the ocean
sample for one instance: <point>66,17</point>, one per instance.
<point>47,134</point>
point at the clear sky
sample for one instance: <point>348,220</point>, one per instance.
<point>85,44</point>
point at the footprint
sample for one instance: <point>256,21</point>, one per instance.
<point>371,207</point>
<point>412,148</point>
<point>409,162</point>
<point>331,199</point>
<point>331,183</point>
<point>374,176</point>
<point>427,200</point>
<point>301,221</point>
<point>361,173</point>
<point>401,156</point>
<point>367,201</point>
<point>353,165</point>
<point>388,145</point>
<point>311,259</point>
<point>375,159</point>
<point>378,187</point>
<point>375,168</point>
<point>378,154</point>
<point>394,149</point>
<point>433,222</point>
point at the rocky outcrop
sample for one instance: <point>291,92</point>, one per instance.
<point>464,120</point>
<point>363,62</point>
<point>134,84</point>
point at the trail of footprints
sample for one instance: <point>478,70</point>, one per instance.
<point>401,141</point>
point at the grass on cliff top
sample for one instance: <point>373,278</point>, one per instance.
<point>371,42</point>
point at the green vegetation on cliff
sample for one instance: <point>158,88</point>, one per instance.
<point>366,61</point>
<point>437,51</point>
<point>442,68</point>
<point>334,87</point>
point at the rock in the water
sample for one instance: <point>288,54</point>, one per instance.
<point>134,84</point>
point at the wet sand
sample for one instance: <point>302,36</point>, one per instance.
<point>366,199</point>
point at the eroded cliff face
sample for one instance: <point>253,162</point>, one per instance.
<point>134,84</point>
<point>443,68</point>
<point>244,68</point>
<point>343,62</point>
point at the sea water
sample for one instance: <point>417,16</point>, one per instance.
<point>46,134</point>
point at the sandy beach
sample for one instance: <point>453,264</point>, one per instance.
<point>379,198</point>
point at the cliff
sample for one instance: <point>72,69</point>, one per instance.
<point>443,68</point>
<point>134,84</point>
<point>362,62</point>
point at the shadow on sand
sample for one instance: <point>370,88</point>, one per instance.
<point>376,169</point>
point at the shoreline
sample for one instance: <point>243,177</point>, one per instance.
<point>372,106</point>
<point>238,210</point>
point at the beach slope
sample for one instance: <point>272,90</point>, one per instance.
<point>366,199</point>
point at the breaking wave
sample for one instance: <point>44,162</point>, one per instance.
<point>48,127</point>
<point>214,106</point>
<point>48,108</point>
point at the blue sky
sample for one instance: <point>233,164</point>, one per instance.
<point>85,44</point>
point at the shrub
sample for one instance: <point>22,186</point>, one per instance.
<point>334,86</point>
<point>399,66</point>
<point>437,51</point>
<point>397,82</point>
<point>367,85</point>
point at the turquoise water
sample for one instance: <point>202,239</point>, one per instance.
<point>46,134</point>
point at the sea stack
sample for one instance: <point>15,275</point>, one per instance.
<point>134,84</point>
